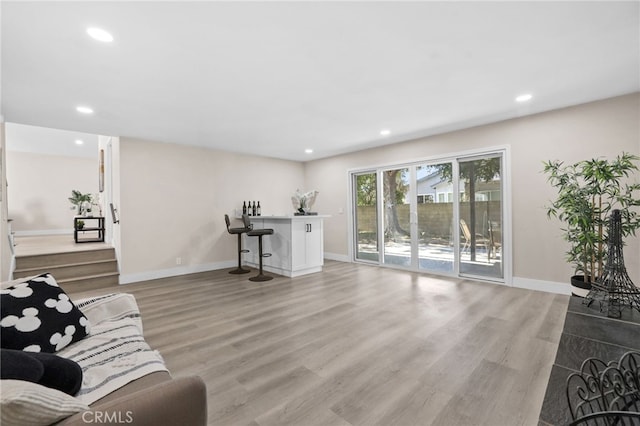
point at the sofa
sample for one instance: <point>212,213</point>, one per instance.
<point>123,381</point>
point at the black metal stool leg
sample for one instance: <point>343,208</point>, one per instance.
<point>261,276</point>
<point>240,269</point>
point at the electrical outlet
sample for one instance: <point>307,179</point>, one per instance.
<point>178,261</point>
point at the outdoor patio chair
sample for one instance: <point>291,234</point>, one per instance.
<point>495,239</point>
<point>481,240</point>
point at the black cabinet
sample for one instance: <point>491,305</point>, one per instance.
<point>88,229</point>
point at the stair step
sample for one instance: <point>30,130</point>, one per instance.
<point>76,267</point>
<point>71,270</point>
<point>64,258</point>
<point>90,282</point>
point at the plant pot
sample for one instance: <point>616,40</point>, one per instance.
<point>579,287</point>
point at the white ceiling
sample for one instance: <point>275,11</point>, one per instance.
<point>274,78</point>
<point>44,140</point>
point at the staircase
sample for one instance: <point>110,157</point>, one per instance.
<point>73,270</point>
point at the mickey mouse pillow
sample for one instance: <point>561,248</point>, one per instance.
<point>38,316</point>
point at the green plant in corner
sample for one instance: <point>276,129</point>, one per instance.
<point>79,201</point>
<point>587,192</point>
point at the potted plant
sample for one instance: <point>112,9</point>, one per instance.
<point>80,201</point>
<point>80,225</point>
<point>587,192</point>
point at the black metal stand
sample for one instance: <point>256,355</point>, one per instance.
<point>261,276</point>
<point>614,290</point>
<point>240,269</point>
<point>96,232</point>
<point>606,393</point>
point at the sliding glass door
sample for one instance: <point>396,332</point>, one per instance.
<point>365,193</point>
<point>443,217</point>
<point>434,208</point>
<point>481,217</point>
<point>396,214</point>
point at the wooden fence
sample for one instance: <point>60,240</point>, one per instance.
<point>434,219</point>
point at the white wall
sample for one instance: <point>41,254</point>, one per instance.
<point>173,199</point>
<point>604,128</point>
<point>39,188</point>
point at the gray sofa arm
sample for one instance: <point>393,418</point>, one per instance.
<point>181,401</point>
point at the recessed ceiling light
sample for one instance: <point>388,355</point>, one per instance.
<point>385,132</point>
<point>308,151</point>
<point>79,141</point>
<point>99,34</point>
<point>524,97</point>
<point>84,110</point>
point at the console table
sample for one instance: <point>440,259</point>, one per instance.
<point>97,230</point>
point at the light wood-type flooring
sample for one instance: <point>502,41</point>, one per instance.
<point>47,244</point>
<point>356,345</point>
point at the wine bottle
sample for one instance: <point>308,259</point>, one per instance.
<point>254,209</point>
<point>244,207</point>
<point>249,209</point>
<point>259,209</point>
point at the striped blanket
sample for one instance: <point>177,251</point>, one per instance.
<point>115,352</point>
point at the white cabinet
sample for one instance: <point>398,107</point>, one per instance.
<point>296,246</point>
<point>306,244</point>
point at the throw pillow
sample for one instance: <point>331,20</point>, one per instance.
<point>38,316</point>
<point>26,403</point>
<point>18,365</point>
<point>45,369</point>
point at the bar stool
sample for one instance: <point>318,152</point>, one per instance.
<point>239,232</point>
<point>258,233</point>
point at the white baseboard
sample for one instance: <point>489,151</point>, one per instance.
<point>39,232</point>
<point>194,269</point>
<point>338,257</point>
<point>540,285</point>
<point>174,272</point>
